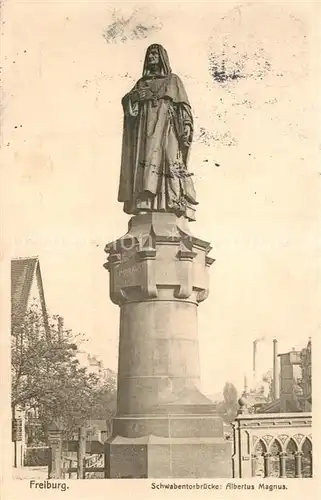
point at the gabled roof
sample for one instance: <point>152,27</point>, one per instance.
<point>23,273</point>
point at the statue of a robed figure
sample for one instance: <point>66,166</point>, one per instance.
<point>157,135</point>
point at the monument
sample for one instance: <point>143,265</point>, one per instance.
<point>164,426</point>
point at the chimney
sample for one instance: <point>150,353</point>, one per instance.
<point>60,328</point>
<point>254,363</point>
<point>245,385</point>
<point>276,381</point>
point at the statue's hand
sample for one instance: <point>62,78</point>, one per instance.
<point>141,94</point>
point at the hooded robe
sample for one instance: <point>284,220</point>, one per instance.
<point>154,173</point>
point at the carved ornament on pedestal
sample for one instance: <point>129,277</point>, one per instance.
<point>158,259</point>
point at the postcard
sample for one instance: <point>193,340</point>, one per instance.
<point>160,259</point>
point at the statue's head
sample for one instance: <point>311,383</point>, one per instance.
<point>152,56</point>
<point>156,61</point>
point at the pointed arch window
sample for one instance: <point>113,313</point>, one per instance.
<point>306,458</point>
<point>258,459</point>
<point>291,450</point>
<point>275,450</point>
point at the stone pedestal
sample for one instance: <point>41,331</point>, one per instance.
<point>164,427</point>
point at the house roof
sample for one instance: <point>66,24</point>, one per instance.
<point>23,273</point>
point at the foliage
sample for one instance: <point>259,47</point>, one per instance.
<point>47,376</point>
<point>104,398</point>
<point>230,401</point>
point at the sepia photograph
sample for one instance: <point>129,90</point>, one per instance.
<point>161,236</point>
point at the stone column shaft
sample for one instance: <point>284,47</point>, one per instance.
<point>298,464</point>
<point>158,353</point>
<point>267,464</point>
<point>282,457</point>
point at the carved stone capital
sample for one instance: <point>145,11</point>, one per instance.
<point>158,259</point>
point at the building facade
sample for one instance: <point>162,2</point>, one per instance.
<point>275,438</point>
<point>26,290</point>
<point>272,445</point>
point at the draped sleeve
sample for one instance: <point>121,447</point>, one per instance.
<point>130,107</point>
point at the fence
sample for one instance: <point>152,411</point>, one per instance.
<point>93,467</point>
<point>80,458</point>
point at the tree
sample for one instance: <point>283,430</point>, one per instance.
<point>230,401</point>
<point>47,376</point>
<point>104,400</point>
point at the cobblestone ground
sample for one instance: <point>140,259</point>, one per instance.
<point>30,472</point>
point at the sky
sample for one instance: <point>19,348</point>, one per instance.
<point>250,71</point>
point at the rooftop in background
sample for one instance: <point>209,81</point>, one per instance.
<point>25,272</point>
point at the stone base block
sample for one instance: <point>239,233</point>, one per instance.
<point>168,457</point>
<point>175,426</point>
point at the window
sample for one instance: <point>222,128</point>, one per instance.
<point>258,459</point>
<point>275,451</point>
<point>307,458</point>
<point>290,460</point>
